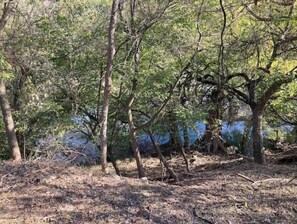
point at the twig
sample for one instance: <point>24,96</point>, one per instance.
<point>230,162</point>
<point>292,179</point>
<point>245,177</point>
<point>196,215</point>
<point>1,181</point>
<point>246,158</point>
<point>272,182</point>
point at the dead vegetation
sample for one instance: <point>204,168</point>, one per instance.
<point>219,189</point>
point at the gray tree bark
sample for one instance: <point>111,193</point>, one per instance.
<point>257,135</point>
<point>9,124</point>
<point>133,138</point>
<point>162,158</point>
<point>4,103</point>
<point>108,83</point>
<point>133,131</point>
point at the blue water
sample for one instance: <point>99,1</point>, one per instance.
<point>195,133</point>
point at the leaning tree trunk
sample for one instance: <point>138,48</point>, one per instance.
<point>182,151</point>
<point>16,105</point>
<point>5,107</point>
<point>107,87</point>
<point>9,124</point>
<point>257,135</point>
<point>133,138</point>
<point>175,135</point>
<point>113,161</point>
<point>186,137</point>
<point>162,158</point>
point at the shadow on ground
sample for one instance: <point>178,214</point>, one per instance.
<point>46,192</point>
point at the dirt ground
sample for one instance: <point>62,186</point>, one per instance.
<point>219,189</point>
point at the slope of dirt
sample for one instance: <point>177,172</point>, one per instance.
<point>218,190</point>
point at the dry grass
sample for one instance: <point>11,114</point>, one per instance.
<point>46,192</point>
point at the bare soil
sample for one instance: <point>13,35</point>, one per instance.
<point>219,189</point>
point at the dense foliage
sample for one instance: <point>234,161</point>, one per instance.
<point>176,63</point>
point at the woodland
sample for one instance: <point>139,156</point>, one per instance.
<point>137,79</point>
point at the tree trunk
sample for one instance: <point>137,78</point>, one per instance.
<point>19,85</point>
<point>213,134</point>
<point>133,138</point>
<point>257,135</point>
<point>175,135</point>
<point>9,124</point>
<point>162,158</point>
<point>107,87</point>
<point>183,153</point>
<point>186,137</point>
<point>295,134</point>
<point>244,142</point>
<point>113,161</point>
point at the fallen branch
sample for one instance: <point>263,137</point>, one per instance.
<point>201,219</point>
<point>2,178</point>
<point>221,164</point>
<point>272,182</point>
<point>268,182</point>
<point>292,179</point>
<point>245,177</point>
<point>247,158</point>
<point>230,162</point>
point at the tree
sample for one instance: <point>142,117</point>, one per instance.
<point>4,103</point>
<point>152,61</point>
<point>53,50</point>
<point>282,44</point>
<point>282,110</point>
<point>260,49</point>
<point>108,83</point>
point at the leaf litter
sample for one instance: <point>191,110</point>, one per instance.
<point>219,189</point>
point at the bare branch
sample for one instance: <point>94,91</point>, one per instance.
<point>274,87</point>
<point>251,11</point>
<point>264,19</point>
<point>283,2</point>
<point>155,116</point>
<point>5,14</point>
<point>241,74</point>
<point>282,118</point>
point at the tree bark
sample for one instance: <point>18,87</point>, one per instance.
<point>245,136</point>
<point>175,135</point>
<point>108,83</point>
<point>162,158</point>
<point>133,138</point>
<point>19,86</point>
<point>213,134</point>
<point>257,135</point>
<point>5,107</point>
<point>9,124</point>
<point>183,153</point>
<point>186,137</point>
<point>114,162</point>
<point>294,134</point>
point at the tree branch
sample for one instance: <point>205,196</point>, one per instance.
<point>241,74</point>
<point>265,19</point>
<point>155,116</point>
<point>274,87</point>
<point>286,120</point>
<point>7,8</point>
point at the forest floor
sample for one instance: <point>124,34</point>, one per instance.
<point>219,189</point>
